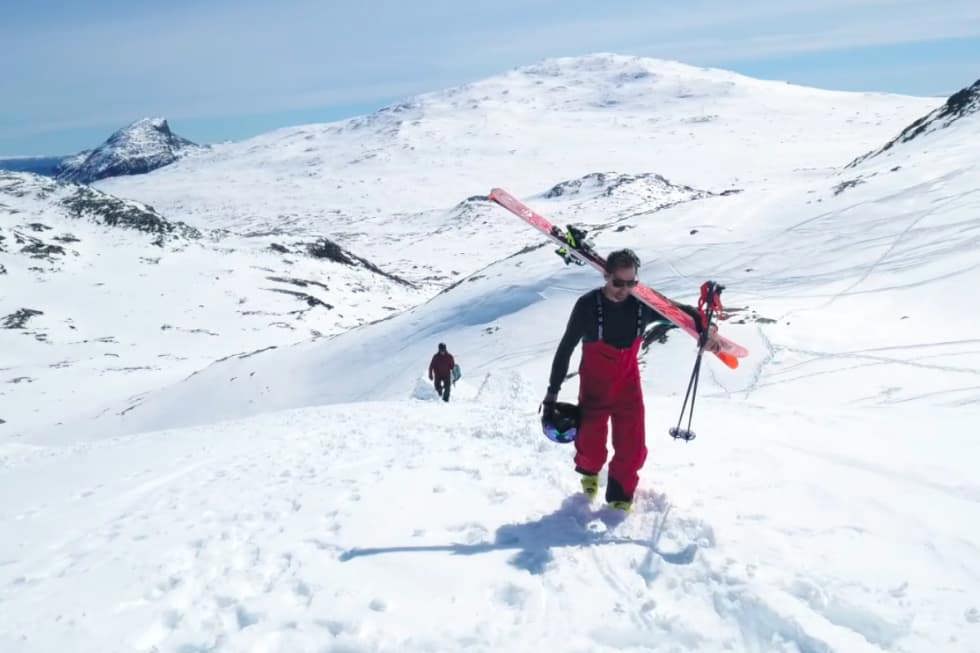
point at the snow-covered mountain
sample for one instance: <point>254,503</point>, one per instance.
<point>307,494</point>
<point>136,149</point>
<point>106,298</point>
<point>395,175</point>
<point>528,129</point>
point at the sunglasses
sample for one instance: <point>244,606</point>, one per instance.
<point>623,283</point>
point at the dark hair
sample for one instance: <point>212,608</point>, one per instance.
<point>622,258</point>
<point>442,346</point>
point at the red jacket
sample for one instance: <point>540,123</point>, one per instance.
<point>442,365</point>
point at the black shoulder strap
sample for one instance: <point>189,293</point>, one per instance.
<point>599,314</point>
<point>598,311</point>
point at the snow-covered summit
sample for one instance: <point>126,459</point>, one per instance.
<point>140,147</point>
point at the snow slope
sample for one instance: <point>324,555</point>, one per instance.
<point>837,281</point>
<point>119,300</point>
<point>317,496</point>
<point>412,525</point>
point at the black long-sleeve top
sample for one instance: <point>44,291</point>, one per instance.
<point>622,323</point>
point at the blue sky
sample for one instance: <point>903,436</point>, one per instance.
<point>75,71</point>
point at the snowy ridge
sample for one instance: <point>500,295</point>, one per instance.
<point>74,161</point>
<point>646,187</point>
<point>962,105</point>
<point>138,148</point>
<point>79,202</point>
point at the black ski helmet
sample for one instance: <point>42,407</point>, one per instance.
<point>560,421</point>
<point>442,346</point>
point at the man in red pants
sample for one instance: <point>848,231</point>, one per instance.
<point>610,322</point>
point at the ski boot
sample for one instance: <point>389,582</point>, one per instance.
<point>625,506</point>
<point>590,485</point>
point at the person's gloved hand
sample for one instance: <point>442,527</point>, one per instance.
<point>548,404</point>
<point>713,344</point>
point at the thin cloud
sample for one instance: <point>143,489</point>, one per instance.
<point>228,59</point>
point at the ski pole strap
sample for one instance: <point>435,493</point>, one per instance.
<point>710,301</point>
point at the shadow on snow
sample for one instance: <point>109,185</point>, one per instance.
<point>574,524</point>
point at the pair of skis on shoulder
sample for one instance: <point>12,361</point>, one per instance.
<point>574,248</point>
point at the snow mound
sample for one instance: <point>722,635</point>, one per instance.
<point>508,388</point>
<point>424,390</point>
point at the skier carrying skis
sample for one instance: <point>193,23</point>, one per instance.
<point>441,371</point>
<point>610,322</point>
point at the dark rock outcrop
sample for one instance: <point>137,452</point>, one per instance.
<point>18,319</point>
<point>327,249</point>
<point>114,212</point>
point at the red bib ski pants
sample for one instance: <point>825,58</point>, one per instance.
<point>609,388</point>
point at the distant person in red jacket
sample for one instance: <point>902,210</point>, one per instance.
<point>441,371</point>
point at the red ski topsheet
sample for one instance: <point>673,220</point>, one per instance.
<point>729,352</point>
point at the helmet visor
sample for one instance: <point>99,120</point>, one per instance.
<point>552,433</point>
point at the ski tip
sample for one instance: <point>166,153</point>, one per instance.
<point>728,359</point>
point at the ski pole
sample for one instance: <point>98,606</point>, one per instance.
<point>709,298</point>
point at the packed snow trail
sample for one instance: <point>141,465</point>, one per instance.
<point>417,525</point>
